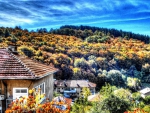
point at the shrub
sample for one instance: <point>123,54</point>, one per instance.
<point>133,83</point>
<point>81,63</point>
<point>116,77</point>
<point>28,51</point>
<point>147,100</point>
<point>147,108</point>
<point>112,104</point>
<point>123,94</point>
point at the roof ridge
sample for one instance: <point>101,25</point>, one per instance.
<point>23,64</point>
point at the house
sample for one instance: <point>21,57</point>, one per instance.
<point>73,87</point>
<point>18,74</point>
<point>145,92</point>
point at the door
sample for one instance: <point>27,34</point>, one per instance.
<point>20,92</point>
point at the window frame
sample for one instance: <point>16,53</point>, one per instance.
<point>20,88</point>
<point>38,86</point>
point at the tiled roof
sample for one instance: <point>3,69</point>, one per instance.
<point>74,83</point>
<point>18,67</point>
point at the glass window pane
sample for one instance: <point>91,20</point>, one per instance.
<point>42,88</point>
<point>17,91</point>
<point>36,88</point>
<point>23,90</point>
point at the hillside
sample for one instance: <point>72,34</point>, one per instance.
<point>99,57</point>
<point>84,31</point>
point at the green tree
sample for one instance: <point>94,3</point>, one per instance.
<point>107,90</point>
<point>123,94</point>
<point>14,39</point>
<point>116,78</point>
<point>102,63</point>
<point>1,32</point>
<point>81,63</point>
<point>147,108</point>
<point>136,96</point>
<point>6,33</point>
<point>133,83</point>
<point>147,100</point>
<point>82,105</point>
<point>1,39</point>
<point>114,105</point>
<point>137,100</point>
<point>97,108</point>
<point>86,92</point>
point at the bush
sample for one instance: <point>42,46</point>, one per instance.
<point>133,83</point>
<point>147,108</point>
<point>28,51</point>
<point>97,39</point>
<point>147,100</point>
<point>123,94</point>
<point>82,105</point>
<point>112,104</point>
<point>81,63</point>
<point>116,78</point>
<point>107,90</point>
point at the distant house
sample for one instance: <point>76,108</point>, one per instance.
<point>73,87</point>
<point>145,92</point>
<point>18,74</point>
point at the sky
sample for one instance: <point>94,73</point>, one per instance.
<point>127,15</point>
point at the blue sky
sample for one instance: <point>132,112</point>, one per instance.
<point>128,15</point>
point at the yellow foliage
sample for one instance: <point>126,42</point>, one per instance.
<point>32,103</point>
<point>76,70</point>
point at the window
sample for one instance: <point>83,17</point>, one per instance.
<point>42,87</point>
<point>17,91</point>
<point>23,91</point>
<point>20,92</point>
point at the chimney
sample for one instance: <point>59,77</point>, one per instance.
<point>13,49</point>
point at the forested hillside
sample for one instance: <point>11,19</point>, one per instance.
<point>98,57</point>
<point>84,31</point>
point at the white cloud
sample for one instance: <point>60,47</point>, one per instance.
<point>13,20</point>
<point>61,8</point>
<point>54,13</point>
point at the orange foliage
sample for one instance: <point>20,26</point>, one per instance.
<point>31,104</point>
<point>136,111</point>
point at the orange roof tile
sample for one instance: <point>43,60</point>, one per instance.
<point>19,67</point>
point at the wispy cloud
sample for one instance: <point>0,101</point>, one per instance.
<point>54,13</point>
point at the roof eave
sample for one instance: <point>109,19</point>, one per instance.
<point>30,78</point>
<point>47,74</point>
<point>16,78</point>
